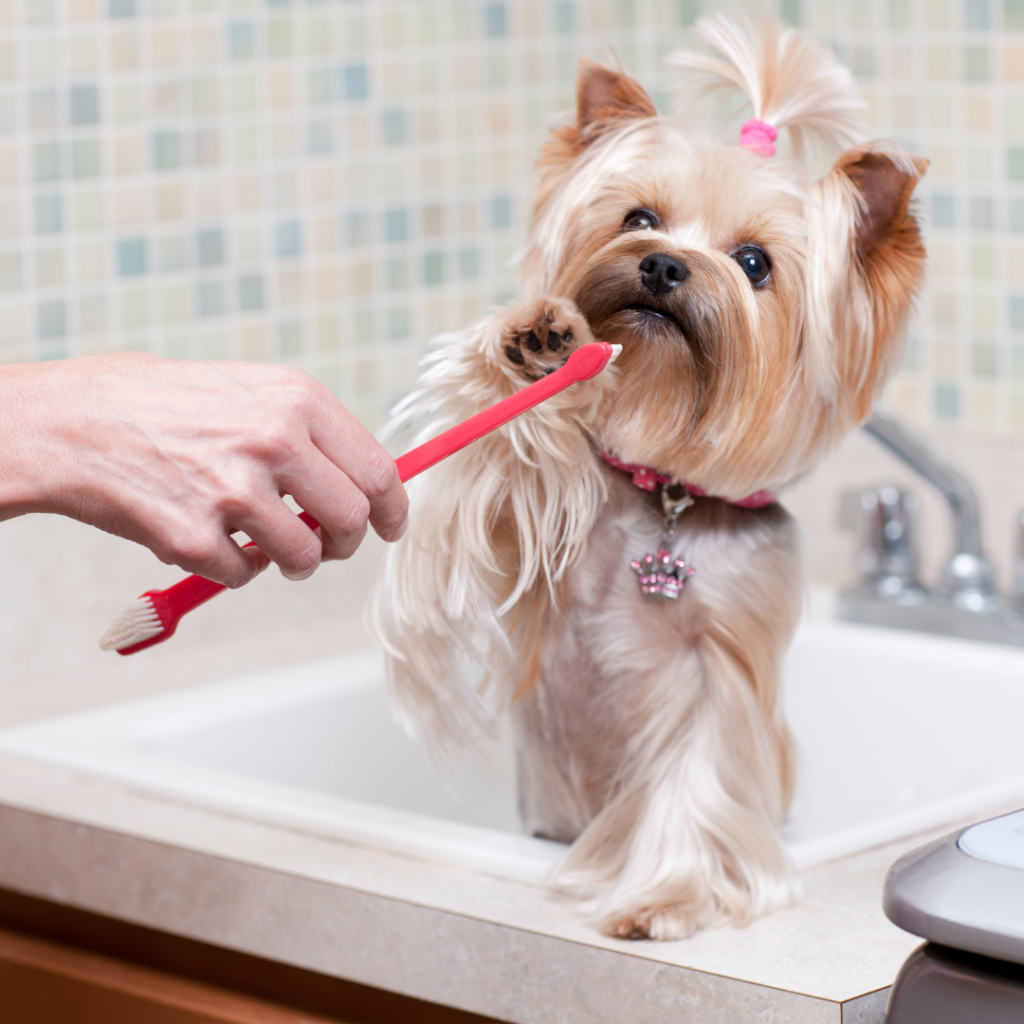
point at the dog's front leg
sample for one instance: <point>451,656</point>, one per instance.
<point>690,839</point>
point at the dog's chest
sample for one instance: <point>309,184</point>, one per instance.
<point>608,636</point>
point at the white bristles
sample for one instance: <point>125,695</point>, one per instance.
<point>135,622</point>
<point>616,352</point>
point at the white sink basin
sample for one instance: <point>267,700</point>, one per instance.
<point>896,732</point>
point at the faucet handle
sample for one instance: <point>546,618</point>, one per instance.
<point>889,557</point>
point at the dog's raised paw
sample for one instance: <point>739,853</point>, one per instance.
<point>540,337</point>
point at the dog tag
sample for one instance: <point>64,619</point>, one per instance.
<point>660,575</point>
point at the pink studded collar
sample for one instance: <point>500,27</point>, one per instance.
<point>649,479</point>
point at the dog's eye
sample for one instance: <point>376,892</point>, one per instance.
<point>754,262</point>
<point>640,220</point>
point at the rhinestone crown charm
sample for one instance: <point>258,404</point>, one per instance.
<point>661,575</point>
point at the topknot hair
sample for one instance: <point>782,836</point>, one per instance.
<point>791,81</point>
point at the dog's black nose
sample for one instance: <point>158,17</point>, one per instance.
<point>661,273</point>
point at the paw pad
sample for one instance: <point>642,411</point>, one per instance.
<point>544,345</point>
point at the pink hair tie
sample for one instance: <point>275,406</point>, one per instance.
<point>758,136</point>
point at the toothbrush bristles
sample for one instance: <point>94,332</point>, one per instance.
<point>135,622</point>
<point>616,352</point>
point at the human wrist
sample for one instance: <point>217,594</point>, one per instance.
<point>29,406</point>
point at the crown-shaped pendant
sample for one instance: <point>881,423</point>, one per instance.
<point>661,575</point>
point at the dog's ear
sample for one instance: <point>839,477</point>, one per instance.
<point>884,185</point>
<point>887,250</point>
<point>606,97</point>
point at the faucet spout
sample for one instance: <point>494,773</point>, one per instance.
<point>929,461</point>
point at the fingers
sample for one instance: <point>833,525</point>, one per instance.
<point>355,451</point>
<point>216,558</point>
<point>285,539</point>
<point>341,508</point>
<point>338,435</point>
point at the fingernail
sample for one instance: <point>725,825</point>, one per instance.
<point>298,576</point>
<point>400,532</point>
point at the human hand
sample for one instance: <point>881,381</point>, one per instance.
<point>177,455</point>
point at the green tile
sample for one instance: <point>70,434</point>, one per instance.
<point>977,64</point>
<point>398,273</point>
<point>210,247</point>
<point>84,104</point>
<point>10,272</point>
<point>52,319</point>
<point>979,15</point>
<point>279,38</point>
<point>250,293</point>
<point>46,161</point>
<point>167,150</point>
<point>241,40</point>
<point>134,309</point>
<point>289,338</point>
<point>1017,360</point>
<point>901,14</point>
<point>39,12</point>
<point>49,213</point>
<point>365,330</point>
<point>210,298</point>
<point>85,158</point>
<point>985,359</point>
<point>1015,163</point>
<point>496,71</point>
<point>788,10</point>
<point>131,257</point>
<point>320,85</point>
<point>983,261</point>
<point>172,253</point>
<point>399,323</point>
<point>469,264</point>
<point>624,13</point>
<point>433,268</point>
<point>863,62</point>
<point>394,127</point>
<point>947,401</point>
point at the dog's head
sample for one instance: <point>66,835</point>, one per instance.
<point>760,313</point>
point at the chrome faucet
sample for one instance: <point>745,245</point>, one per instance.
<point>966,602</point>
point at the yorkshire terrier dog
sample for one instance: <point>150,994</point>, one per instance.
<point>612,568</point>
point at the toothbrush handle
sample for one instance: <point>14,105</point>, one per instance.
<point>586,362</point>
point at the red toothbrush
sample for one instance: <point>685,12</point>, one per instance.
<point>153,617</point>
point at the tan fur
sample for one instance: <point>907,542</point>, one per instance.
<point>651,734</point>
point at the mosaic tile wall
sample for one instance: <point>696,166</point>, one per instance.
<point>331,183</point>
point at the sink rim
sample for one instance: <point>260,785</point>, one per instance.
<point>103,742</point>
